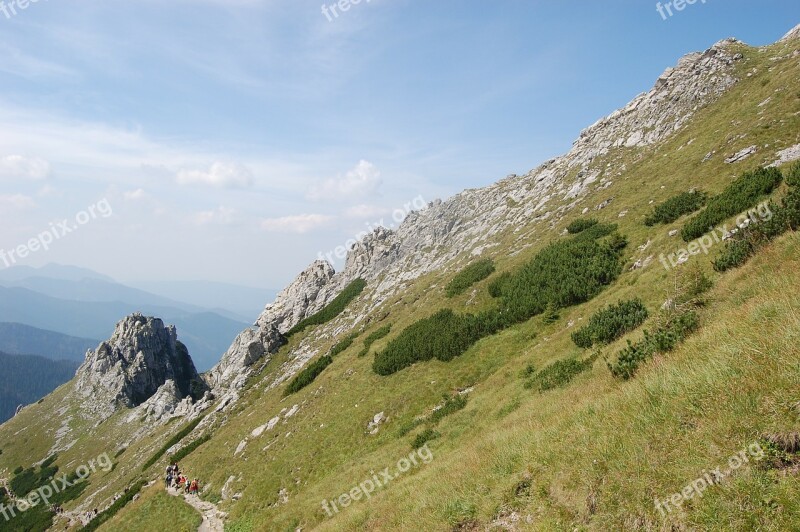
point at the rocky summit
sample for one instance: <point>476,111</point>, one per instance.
<point>142,359</point>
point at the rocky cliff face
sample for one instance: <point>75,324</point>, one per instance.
<point>466,224</point>
<point>143,359</point>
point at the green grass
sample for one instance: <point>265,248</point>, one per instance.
<point>174,439</point>
<point>155,510</point>
<point>189,449</point>
<point>115,507</point>
<point>373,337</point>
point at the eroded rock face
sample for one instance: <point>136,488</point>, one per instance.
<point>143,357</point>
<point>297,300</point>
<point>248,348</point>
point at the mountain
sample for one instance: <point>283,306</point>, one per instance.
<point>206,334</point>
<point>568,349</point>
<point>51,271</point>
<point>25,379</point>
<point>245,301</point>
<point>19,339</point>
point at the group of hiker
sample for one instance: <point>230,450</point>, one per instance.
<point>177,480</point>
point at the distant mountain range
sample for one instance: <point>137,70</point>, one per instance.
<point>19,339</point>
<point>65,307</point>
<point>25,379</point>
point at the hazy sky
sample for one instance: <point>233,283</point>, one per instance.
<point>235,140</point>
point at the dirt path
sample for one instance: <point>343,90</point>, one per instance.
<point>212,516</point>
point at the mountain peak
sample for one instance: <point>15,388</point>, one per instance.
<point>794,33</point>
<point>141,357</point>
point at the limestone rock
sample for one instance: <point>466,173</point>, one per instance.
<point>134,365</point>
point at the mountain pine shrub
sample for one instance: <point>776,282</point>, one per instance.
<point>474,273</point>
<point>664,339</point>
<point>332,309</point>
<point>559,374</point>
<point>744,193</point>
<point>580,225</point>
<point>611,323</point>
<point>675,207</point>
<point>308,375</point>
<point>564,273</point>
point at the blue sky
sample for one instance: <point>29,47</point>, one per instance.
<point>235,140</point>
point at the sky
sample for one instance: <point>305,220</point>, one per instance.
<point>239,140</point>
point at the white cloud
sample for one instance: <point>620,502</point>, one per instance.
<point>15,202</point>
<point>135,195</point>
<point>365,211</point>
<point>220,216</point>
<point>362,180</point>
<point>24,167</point>
<point>302,223</point>
<point>223,175</point>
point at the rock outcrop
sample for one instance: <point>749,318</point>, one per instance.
<point>248,348</point>
<point>142,359</point>
<point>297,300</point>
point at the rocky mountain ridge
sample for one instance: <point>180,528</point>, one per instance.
<point>466,224</point>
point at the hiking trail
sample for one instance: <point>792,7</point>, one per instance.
<point>212,516</point>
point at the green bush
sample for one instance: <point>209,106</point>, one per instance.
<point>26,481</point>
<point>343,344</point>
<point>744,193</point>
<point>611,323</point>
<point>793,174</point>
<point>308,375</point>
<point>189,449</point>
<point>383,332</point>
<point>564,273</point>
<point>424,437</point>
<point>451,405</point>
<point>332,309</point>
<point>580,225</point>
<point>675,207</point>
<point>117,505</point>
<point>176,438</point>
<point>559,374</point>
<point>663,340</point>
<point>475,272</point>
<point>750,239</point>
<point>734,254</point>
<point>444,335</point>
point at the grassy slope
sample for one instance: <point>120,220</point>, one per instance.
<point>163,511</point>
<point>484,453</point>
<point>597,452</point>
